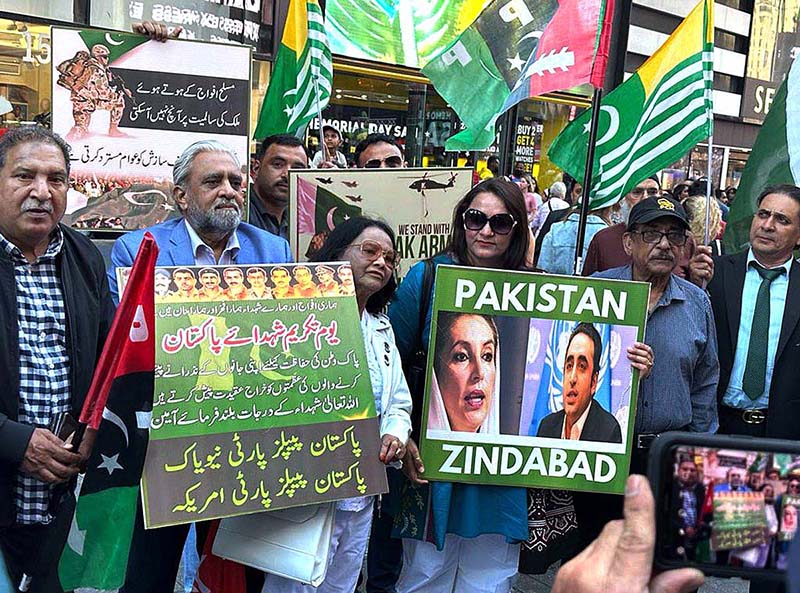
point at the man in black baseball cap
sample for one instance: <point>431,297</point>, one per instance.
<point>679,393</point>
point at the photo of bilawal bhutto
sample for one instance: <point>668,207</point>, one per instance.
<point>582,418</point>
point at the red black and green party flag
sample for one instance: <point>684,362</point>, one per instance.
<point>117,405</point>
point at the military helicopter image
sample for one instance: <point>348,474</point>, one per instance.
<point>427,182</point>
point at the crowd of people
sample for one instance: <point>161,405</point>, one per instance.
<point>722,344</point>
<point>706,519</point>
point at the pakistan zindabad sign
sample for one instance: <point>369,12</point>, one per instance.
<point>528,383</point>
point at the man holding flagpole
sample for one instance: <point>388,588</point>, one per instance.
<point>208,191</point>
<point>56,311</point>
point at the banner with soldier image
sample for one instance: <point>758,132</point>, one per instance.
<point>528,383</point>
<point>129,106</point>
<point>262,397</point>
<point>416,203</point>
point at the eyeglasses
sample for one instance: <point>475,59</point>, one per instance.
<point>391,162</point>
<point>676,238</point>
<point>475,220</point>
<point>640,191</point>
<point>372,250</point>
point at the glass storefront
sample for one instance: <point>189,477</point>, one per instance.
<point>727,165</point>
<point>24,72</point>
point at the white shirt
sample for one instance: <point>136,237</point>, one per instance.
<point>204,255</point>
<point>577,428</point>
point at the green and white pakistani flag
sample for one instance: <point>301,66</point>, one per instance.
<point>302,74</point>
<point>775,159</point>
<point>652,119</point>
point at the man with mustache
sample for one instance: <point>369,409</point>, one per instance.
<point>208,190</point>
<point>582,418</point>
<point>680,391</point>
<point>49,274</point>
<point>756,305</point>
<point>269,192</point>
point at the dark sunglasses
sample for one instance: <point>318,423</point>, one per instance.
<point>372,250</point>
<point>475,220</point>
<point>392,162</point>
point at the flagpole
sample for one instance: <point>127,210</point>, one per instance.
<point>322,147</point>
<point>587,180</point>
<point>706,238</point>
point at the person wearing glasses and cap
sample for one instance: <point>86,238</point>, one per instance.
<point>679,392</point>
<point>606,250</point>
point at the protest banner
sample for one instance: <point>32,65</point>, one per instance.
<point>788,526</point>
<point>505,347</point>
<point>416,203</point>
<point>740,520</point>
<point>128,107</point>
<point>262,396</point>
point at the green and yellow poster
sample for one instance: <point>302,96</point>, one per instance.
<point>262,393</point>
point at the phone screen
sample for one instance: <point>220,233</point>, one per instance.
<point>730,507</point>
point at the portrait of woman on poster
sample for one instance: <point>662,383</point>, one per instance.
<point>466,379</point>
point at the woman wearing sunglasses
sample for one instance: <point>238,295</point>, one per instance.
<point>369,247</point>
<point>461,537</point>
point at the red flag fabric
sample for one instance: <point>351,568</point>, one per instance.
<point>572,50</point>
<point>130,346</point>
<point>216,575</point>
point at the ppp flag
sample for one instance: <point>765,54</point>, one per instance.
<point>517,49</point>
<point>775,159</point>
<point>652,119</point>
<point>118,404</point>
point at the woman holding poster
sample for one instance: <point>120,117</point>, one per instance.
<point>369,247</point>
<point>470,539</point>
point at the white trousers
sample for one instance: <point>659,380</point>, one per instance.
<point>349,542</point>
<point>484,564</point>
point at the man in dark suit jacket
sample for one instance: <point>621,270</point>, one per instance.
<point>208,191</point>
<point>759,349</point>
<point>582,418</point>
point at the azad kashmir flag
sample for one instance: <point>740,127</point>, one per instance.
<point>652,119</point>
<point>117,405</point>
<point>518,49</point>
<point>302,74</point>
<point>775,159</point>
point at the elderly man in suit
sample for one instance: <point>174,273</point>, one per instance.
<point>755,295</point>
<point>582,418</point>
<point>208,190</point>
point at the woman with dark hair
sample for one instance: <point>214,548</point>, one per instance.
<point>680,192</point>
<point>369,247</point>
<point>463,537</point>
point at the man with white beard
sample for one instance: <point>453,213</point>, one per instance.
<point>209,192</point>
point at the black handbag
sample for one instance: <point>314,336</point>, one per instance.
<point>416,366</point>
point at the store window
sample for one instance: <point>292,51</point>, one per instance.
<point>737,159</point>
<point>539,122</point>
<point>24,73</point>
<point>58,10</point>
<point>362,105</point>
<point>247,21</point>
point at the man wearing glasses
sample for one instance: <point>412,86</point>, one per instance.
<point>606,250</point>
<point>379,151</point>
<point>756,305</point>
<point>680,391</point>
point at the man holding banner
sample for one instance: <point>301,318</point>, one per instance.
<point>684,365</point>
<point>50,274</point>
<point>208,191</point>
